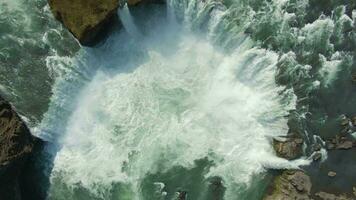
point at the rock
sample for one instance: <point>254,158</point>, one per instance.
<point>87,20</point>
<point>354,77</point>
<point>292,184</point>
<point>317,156</point>
<point>354,191</point>
<point>327,196</point>
<point>316,147</point>
<point>354,121</point>
<point>345,122</point>
<point>16,145</point>
<point>182,195</point>
<point>345,144</point>
<point>331,174</point>
<point>289,149</point>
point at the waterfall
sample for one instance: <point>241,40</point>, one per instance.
<point>147,107</point>
<point>128,22</point>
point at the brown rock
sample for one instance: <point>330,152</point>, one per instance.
<point>331,174</point>
<point>289,149</point>
<point>87,20</point>
<point>327,196</point>
<point>292,184</point>
<point>317,156</point>
<point>16,144</point>
<point>346,144</point>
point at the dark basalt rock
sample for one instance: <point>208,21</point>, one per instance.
<point>16,146</point>
<point>88,20</point>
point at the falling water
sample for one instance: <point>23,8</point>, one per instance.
<point>141,108</point>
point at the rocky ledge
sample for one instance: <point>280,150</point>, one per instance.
<point>16,146</point>
<point>88,20</point>
<point>296,185</point>
<point>289,148</point>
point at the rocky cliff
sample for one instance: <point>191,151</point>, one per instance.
<point>87,20</point>
<point>16,146</point>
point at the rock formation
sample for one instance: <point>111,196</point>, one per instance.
<point>87,20</point>
<point>292,184</point>
<point>289,149</point>
<point>16,145</point>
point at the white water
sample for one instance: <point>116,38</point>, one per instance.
<point>166,101</point>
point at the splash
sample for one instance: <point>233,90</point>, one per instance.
<point>139,106</point>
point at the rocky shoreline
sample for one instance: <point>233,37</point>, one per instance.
<point>17,146</point>
<point>298,184</point>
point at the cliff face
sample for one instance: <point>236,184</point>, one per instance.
<point>16,145</point>
<point>87,20</point>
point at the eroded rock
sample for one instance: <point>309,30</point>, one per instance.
<point>289,149</point>
<point>292,184</point>
<point>87,20</point>
<point>327,196</point>
<point>346,144</point>
<point>16,145</point>
<point>331,174</point>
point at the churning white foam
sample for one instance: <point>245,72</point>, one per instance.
<point>172,108</point>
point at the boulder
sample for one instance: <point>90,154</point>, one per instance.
<point>88,20</point>
<point>331,174</point>
<point>345,144</point>
<point>327,196</point>
<point>289,149</point>
<point>16,145</point>
<point>292,184</point>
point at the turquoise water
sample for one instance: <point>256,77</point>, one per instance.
<point>184,97</point>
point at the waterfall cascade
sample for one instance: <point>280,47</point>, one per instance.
<point>166,100</point>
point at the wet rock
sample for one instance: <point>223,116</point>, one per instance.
<point>292,184</point>
<point>317,156</point>
<point>289,149</point>
<point>16,145</point>
<point>87,20</point>
<point>354,121</point>
<point>327,196</point>
<point>354,78</point>
<point>331,174</point>
<point>182,195</point>
<point>316,147</point>
<point>345,144</point>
